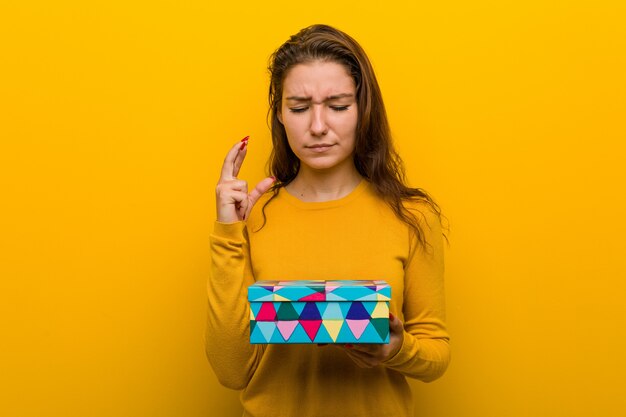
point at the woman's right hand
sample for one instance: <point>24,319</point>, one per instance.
<point>233,201</point>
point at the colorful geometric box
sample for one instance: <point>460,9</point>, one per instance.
<point>319,312</point>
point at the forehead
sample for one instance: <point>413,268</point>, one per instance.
<point>318,79</point>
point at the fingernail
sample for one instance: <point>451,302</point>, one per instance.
<point>391,316</point>
<point>245,139</point>
<point>348,345</point>
<point>273,178</point>
<point>243,145</point>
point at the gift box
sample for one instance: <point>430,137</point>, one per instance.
<point>319,312</point>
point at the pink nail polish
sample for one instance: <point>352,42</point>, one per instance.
<point>273,177</point>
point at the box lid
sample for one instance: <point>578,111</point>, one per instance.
<point>319,290</point>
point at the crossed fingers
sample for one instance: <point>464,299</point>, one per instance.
<point>233,201</point>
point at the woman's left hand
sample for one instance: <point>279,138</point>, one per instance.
<point>369,355</point>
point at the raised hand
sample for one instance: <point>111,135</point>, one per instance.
<point>233,201</point>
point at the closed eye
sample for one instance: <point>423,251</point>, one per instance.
<point>303,109</point>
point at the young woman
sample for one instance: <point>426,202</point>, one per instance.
<point>336,207</point>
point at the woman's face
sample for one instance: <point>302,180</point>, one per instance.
<point>319,112</point>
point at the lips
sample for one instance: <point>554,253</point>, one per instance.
<point>320,147</point>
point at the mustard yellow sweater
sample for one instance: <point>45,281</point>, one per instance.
<point>355,237</point>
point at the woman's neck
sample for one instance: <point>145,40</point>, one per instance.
<point>323,185</point>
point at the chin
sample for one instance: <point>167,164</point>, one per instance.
<point>321,165</point>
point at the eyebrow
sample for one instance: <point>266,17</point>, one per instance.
<point>329,98</point>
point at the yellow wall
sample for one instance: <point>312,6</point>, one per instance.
<point>114,119</point>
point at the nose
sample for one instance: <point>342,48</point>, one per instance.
<point>318,121</point>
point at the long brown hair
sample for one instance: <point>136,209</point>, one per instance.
<point>374,156</point>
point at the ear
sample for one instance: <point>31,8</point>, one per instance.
<point>279,115</point>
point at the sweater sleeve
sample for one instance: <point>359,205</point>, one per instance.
<point>425,352</point>
<point>227,340</point>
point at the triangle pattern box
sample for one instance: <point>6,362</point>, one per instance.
<point>316,311</point>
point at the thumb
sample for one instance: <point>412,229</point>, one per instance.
<point>261,188</point>
<point>395,324</point>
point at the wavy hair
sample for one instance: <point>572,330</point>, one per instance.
<point>374,156</point>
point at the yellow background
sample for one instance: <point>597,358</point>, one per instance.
<point>114,119</point>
